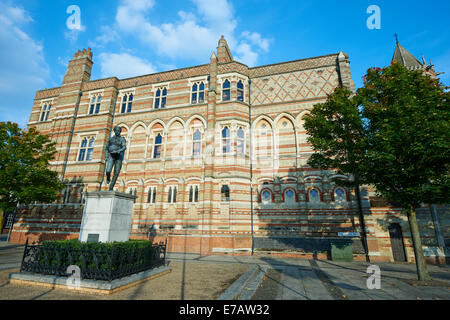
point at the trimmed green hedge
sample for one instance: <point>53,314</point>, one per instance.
<point>96,260</point>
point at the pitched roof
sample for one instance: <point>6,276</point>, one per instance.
<point>404,57</point>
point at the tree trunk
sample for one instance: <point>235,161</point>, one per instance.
<point>421,265</point>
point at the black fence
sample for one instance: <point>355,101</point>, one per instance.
<point>95,262</point>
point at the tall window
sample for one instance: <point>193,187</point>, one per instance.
<point>193,194</point>
<point>240,142</point>
<point>161,98</point>
<point>127,103</point>
<point>95,104</point>
<point>289,196</point>
<point>45,112</point>
<point>225,193</point>
<point>266,196</point>
<point>158,146</point>
<point>339,195</point>
<point>226,90</point>
<point>151,195</point>
<point>314,195</point>
<point>198,93</point>
<point>86,149</point>
<point>240,91</point>
<point>197,143</point>
<point>226,140</point>
<point>172,195</point>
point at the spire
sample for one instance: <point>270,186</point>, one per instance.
<point>404,57</point>
<point>223,52</point>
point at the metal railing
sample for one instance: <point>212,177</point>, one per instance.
<point>95,262</point>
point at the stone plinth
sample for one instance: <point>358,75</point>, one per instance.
<point>107,216</point>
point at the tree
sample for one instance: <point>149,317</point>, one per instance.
<point>24,173</point>
<point>408,141</point>
<point>393,134</point>
<point>336,132</point>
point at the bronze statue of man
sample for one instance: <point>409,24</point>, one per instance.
<point>115,149</point>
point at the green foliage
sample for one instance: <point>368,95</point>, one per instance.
<point>336,132</point>
<point>394,134</point>
<point>63,253</point>
<point>24,173</point>
<point>408,135</point>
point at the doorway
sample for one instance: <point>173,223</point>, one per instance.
<point>398,247</point>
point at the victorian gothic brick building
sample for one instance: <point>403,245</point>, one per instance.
<point>216,154</point>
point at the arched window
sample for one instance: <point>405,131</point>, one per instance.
<point>193,194</point>
<point>240,91</point>
<point>340,195</point>
<point>82,154</point>
<point>151,196</point>
<point>226,140</point>
<point>196,194</point>
<point>266,196</point>
<point>127,103</point>
<point>45,112</point>
<point>161,98</point>
<point>198,93</point>
<point>90,149</point>
<point>197,143</point>
<point>225,193</point>
<point>95,104</point>
<point>289,196</point>
<point>86,149</point>
<point>314,195</point>
<point>240,142</point>
<point>226,90</point>
<point>172,195</point>
<point>157,146</point>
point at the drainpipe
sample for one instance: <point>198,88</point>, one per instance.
<point>110,129</point>
<point>71,136</point>
<point>363,224</point>
<point>251,161</point>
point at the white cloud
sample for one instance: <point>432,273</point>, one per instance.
<point>246,55</point>
<point>193,35</point>
<point>256,39</point>
<point>23,69</point>
<point>124,65</point>
<point>108,34</point>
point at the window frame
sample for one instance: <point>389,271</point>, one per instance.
<point>226,141</point>
<point>240,141</point>
<point>151,194</point>
<point>342,199</point>
<point>94,107</point>
<point>155,136</point>
<point>86,152</point>
<point>318,192</point>
<point>294,196</point>
<point>172,191</point>
<point>45,111</point>
<point>126,105</point>
<point>195,195</point>
<point>240,90</point>
<point>198,91</point>
<point>160,96</point>
<point>225,193</point>
<point>261,198</point>
<point>226,90</point>
<point>198,142</point>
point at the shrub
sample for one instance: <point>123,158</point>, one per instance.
<point>105,261</point>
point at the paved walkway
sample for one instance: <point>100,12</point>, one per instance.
<point>301,279</point>
<point>268,278</point>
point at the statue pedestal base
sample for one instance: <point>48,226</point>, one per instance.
<point>107,216</point>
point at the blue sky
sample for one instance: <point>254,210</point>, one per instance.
<point>136,37</point>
